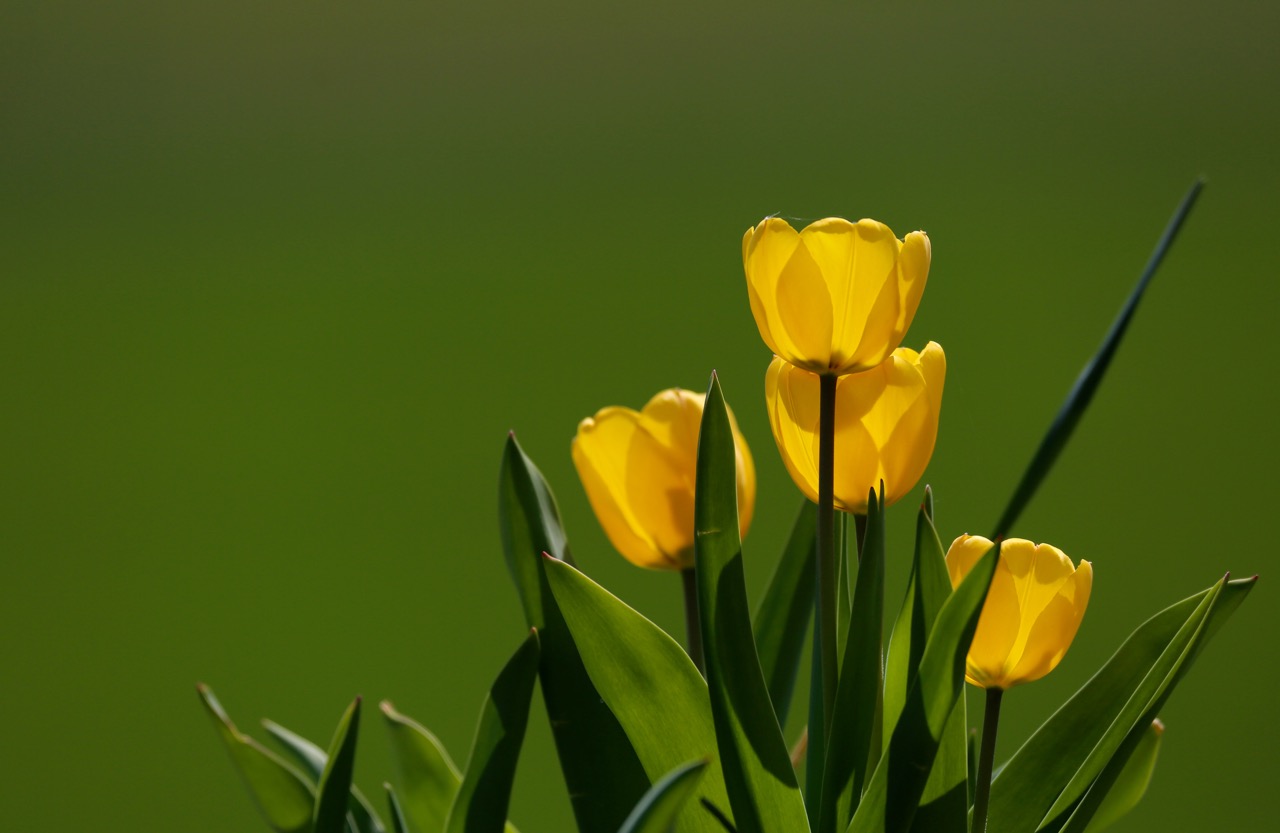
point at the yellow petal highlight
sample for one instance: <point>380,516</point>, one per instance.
<point>638,470</point>
<point>886,424</point>
<point>836,297</point>
<point>1032,612</point>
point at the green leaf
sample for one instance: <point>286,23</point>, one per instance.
<point>1040,786</point>
<point>398,823</point>
<point>485,794</point>
<point>281,792</point>
<point>944,805</point>
<point>1132,783</point>
<point>333,791</point>
<point>890,800</point>
<point>782,619</point>
<point>312,760</point>
<point>658,811</point>
<point>427,778</point>
<point>761,783</point>
<point>856,723</point>
<point>603,774</point>
<point>1087,382</point>
<point>647,681</point>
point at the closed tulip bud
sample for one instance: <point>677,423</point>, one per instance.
<point>638,469</point>
<point>1032,612</point>
<point>837,297</point>
<point>886,424</point>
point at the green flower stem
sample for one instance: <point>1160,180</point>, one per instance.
<point>827,568</point>
<point>692,622</point>
<point>986,758</point>
<point>860,532</point>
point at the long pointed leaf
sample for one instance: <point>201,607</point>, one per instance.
<point>1087,382</point>
<point>944,805</point>
<point>1041,784</point>
<point>782,619</point>
<point>281,792</point>
<point>485,794</point>
<point>398,822</point>
<point>893,794</point>
<point>658,811</point>
<point>312,760</point>
<point>648,681</point>
<point>856,723</point>
<point>762,785</point>
<point>1132,783</point>
<point>603,774</point>
<point>333,791</point>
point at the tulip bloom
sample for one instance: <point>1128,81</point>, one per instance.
<point>638,469</point>
<point>837,297</point>
<point>1032,612</point>
<point>886,424</point>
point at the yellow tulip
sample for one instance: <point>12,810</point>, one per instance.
<point>837,297</point>
<point>638,469</point>
<point>886,424</point>
<point>1032,612</point>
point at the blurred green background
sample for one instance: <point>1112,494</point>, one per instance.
<point>278,277</point>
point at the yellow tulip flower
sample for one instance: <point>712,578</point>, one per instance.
<point>837,297</point>
<point>886,424</point>
<point>1032,612</point>
<point>638,469</point>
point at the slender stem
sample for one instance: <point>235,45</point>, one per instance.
<point>985,759</point>
<point>827,572</point>
<point>692,622</point>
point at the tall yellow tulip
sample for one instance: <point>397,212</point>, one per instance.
<point>836,297</point>
<point>1033,609</point>
<point>638,469</point>
<point>885,429</point>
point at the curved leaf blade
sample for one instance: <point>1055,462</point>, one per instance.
<point>647,681</point>
<point>1131,784</point>
<point>485,793</point>
<point>856,722</point>
<point>1090,377</point>
<point>890,800</point>
<point>398,822</point>
<point>333,791</point>
<point>281,792</point>
<point>761,783</point>
<point>603,774</point>
<point>1042,784</point>
<point>658,811</point>
<point>311,759</point>
<point>782,618</point>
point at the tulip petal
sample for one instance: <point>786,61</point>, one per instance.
<point>997,629</point>
<point>765,252</point>
<point>857,261</point>
<point>792,395</point>
<point>600,452</point>
<point>803,301</point>
<point>913,273</point>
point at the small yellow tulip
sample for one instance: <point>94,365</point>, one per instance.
<point>886,424</point>
<point>837,297</point>
<point>638,469</point>
<point>1032,612</point>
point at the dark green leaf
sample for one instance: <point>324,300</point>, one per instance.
<point>280,791</point>
<point>485,794</point>
<point>890,800</point>
<point>1087,382</point>
<point>762,787</point>
<point>312,760</point>
<point>333,791</point>
<point>1041,785</point>
<point>426,775</point>
<point>647,680</point>
<point>782,619</point>
<point>603,774</point>
<point>944,806</point>
<point>398,823</point>
<point>856,724</point>
<point>658,811</point>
